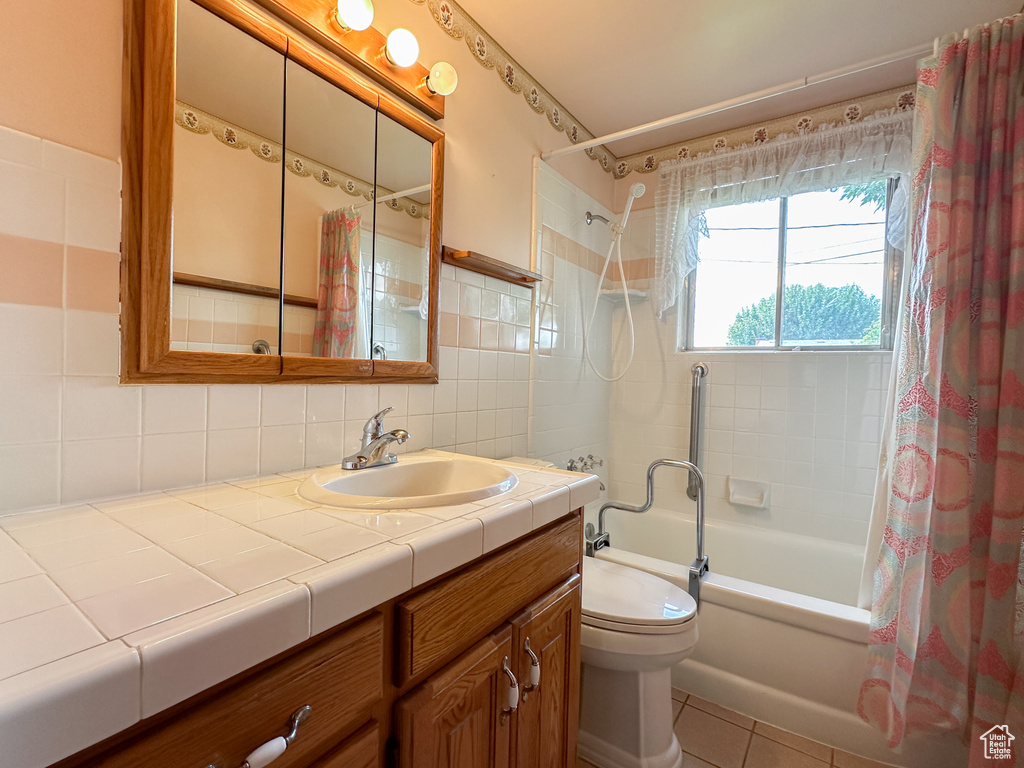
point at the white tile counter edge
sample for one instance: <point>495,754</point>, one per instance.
<point>55,710</point>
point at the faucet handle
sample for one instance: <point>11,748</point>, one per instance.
<point>374,428</point>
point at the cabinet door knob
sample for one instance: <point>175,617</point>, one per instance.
<point>265,754</point>
<point>513,692</point>
<point>534,669</point>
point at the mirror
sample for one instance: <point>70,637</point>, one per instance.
<point>281,218</point>
<point>227,187</point>
<point>328,220</point>
<point>401,243</point>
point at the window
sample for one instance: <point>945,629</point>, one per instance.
<point>810,270</point>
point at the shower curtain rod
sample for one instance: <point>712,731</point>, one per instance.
<point>394,196</point>
<point>739,101</point>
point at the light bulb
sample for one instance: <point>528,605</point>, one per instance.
<point>355,14</point>
<point>402,49</point>
<point>442,79</point>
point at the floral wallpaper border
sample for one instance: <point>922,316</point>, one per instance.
<point>458,24</point>
<point>230,135</point>
<point>900,99</point>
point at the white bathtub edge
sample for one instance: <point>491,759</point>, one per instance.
<point>811,720</point>
<point>813,613</point>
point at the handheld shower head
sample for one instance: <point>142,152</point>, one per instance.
<point>637,190</point>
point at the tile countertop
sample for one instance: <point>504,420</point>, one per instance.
<point>113,611</point>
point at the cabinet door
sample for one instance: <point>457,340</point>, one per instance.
<point>454,719</point>
<point>548,717</point>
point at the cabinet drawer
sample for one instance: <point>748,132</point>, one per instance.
<point>361,750</point>
<point>340,678</point>
<point>441,621</point>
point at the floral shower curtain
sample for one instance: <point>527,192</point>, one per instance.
<point>946,615</point>
<point>341,330</point>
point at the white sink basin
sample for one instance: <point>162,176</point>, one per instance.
<point>415,481</point>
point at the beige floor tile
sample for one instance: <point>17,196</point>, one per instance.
<point>679,695</point>
<point>726,714</point>
<point>712,739</point>
<point>689,761</point>
<point>812,748</point>
<point>677,707</point>
<point>846,760</point>
<point>765,753</point>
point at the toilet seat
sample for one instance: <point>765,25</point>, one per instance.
<point>623,599</point>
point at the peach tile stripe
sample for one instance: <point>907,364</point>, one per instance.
<point>92,280</point>
<point>558,245</point>
<point>35,274</point>
<point>33,271</point>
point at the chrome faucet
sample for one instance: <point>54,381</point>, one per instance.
<point>373,451</point>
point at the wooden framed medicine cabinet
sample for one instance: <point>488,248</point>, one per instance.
<point>240,141</point>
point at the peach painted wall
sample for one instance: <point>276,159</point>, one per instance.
<point>60,72</point>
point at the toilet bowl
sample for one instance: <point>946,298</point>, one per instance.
<point>635,627</point>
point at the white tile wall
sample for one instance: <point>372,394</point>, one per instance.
<point>69,431</point>
<point>569,407</point>
<point>806,423</point>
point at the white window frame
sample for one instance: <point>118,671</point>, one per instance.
<point>893,270</point>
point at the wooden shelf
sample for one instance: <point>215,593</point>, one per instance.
<point>485,265</point>
<point>217,284</point>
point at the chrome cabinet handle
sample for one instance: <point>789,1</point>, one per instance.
<point>265,754</point>
<point>534,669</point>
<point>513,692</point>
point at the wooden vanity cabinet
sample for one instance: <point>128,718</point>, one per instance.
<point>417,682</point>
<point>342,677</point>
<point>547,722</point>
<point>455,719</point>
<point>461,716</point>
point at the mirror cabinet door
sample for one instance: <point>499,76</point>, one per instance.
<point>227,188</point>
<point>254,250</point>
<point>328,219</point>
<point>402,238</point>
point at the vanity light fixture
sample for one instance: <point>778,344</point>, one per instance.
<point>443,79</point>
<point>354,14</point>
<point>345,29</point>
<point>402,50</point>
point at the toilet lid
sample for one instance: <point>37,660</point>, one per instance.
<point>623,595</point>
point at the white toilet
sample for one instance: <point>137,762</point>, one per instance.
<point>635,627</point>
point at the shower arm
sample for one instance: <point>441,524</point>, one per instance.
<point>700,565</point>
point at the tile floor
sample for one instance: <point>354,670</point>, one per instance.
<point>715,737</point>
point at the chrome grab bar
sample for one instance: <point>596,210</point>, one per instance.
<point>700,565</point>
<point>699,370</point>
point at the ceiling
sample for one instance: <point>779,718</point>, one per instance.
<point>615,65</point>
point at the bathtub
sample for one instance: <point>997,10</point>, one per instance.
<point>780,637</point>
